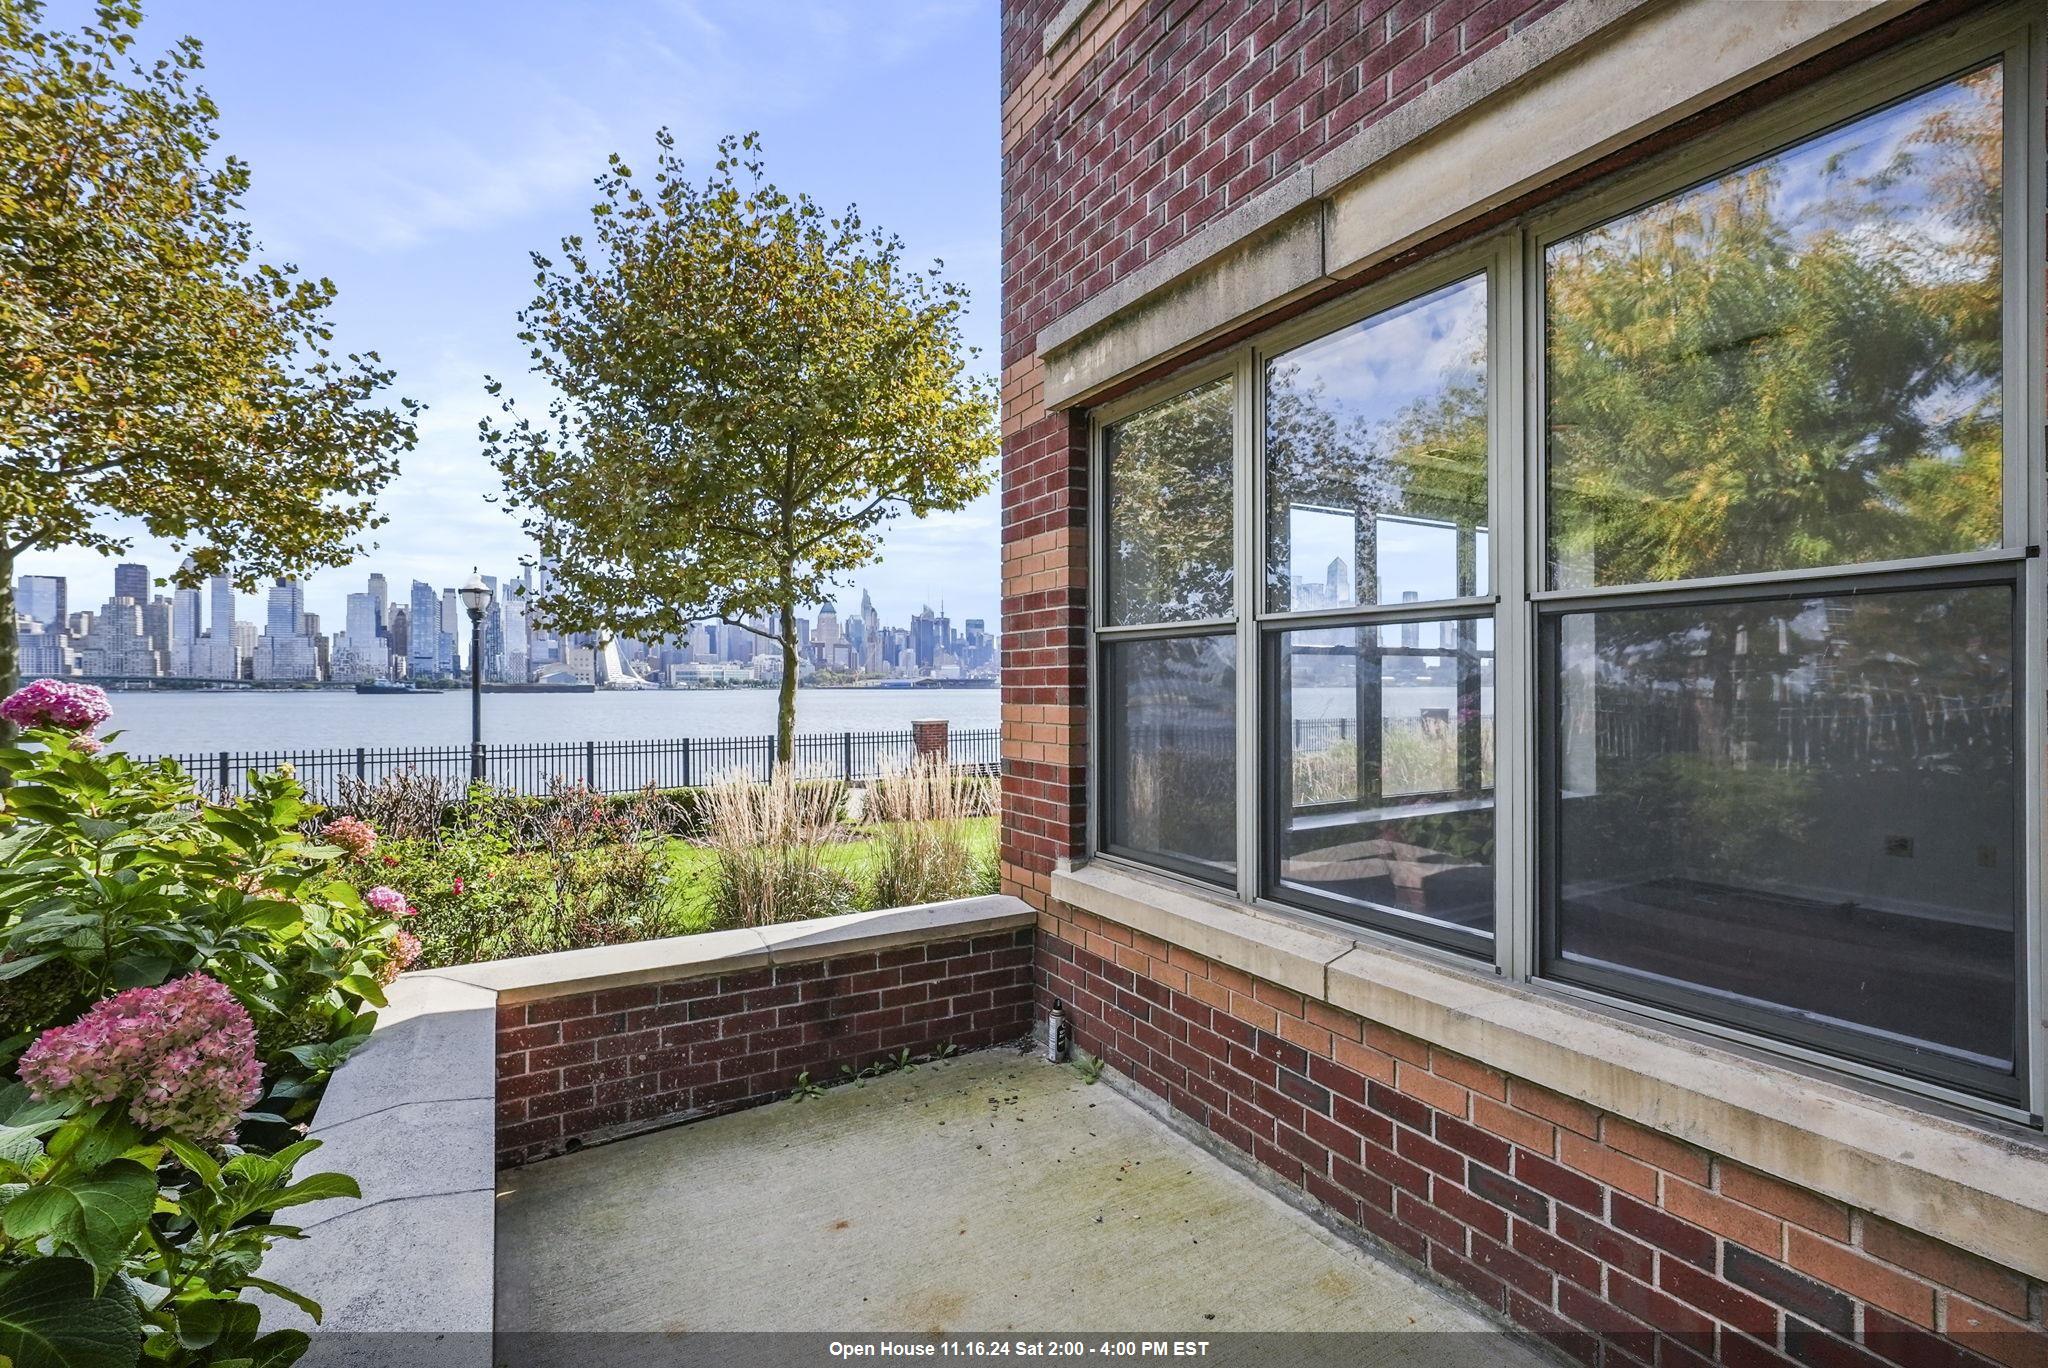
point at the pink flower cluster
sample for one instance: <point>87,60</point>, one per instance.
<point>389,902</point>
<point>352,834</point>
<point>183,1055</point>
<point>405,949</point>
<point>57,703</point>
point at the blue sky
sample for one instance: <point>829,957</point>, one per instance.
<point>415,153</point>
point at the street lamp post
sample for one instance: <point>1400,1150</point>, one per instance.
<point>476,596</point>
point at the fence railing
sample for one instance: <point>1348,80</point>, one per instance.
<point>605,766</point>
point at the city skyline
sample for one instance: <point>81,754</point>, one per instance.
<point>143,629</point>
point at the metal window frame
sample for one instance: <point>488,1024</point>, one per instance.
<point>1512,261</point>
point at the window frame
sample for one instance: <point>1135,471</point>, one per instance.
<point>1511,256</point>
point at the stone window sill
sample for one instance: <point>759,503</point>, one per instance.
<point>1979,1185</point>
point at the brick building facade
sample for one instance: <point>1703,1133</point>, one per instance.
<point>1193,188</point>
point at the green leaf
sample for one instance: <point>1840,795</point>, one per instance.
<point>97,1214</point>
<point>318,1188</point>
<point>50,1317</point>
<point>283,1293</point>
<point>196,1159</point>
<point>11,968</point>
<point>98,830</point>
<point>278,1349</point>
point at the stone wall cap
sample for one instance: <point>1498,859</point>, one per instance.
<point>537,977</point>
<point>1981,1185</point>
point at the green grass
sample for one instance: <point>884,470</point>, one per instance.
<point>696,872</point>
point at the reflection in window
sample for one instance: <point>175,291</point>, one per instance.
<point>1385,743</point>
<point>1799,812</point>
<point>1169,743</point>
<point>1795,365</point>
<point>1169,497</point>
<point>1376,457</point>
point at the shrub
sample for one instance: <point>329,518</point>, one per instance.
<point>512,876</point>
<point>164,963</point>
<point>768,846</point>
<point>927,851</point>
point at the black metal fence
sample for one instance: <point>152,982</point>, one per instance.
<point>606,766</point>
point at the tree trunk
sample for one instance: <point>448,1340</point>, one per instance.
<point>785,701</point>
<point>10,646</point>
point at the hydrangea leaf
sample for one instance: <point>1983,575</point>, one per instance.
<point>96,1214</point>
<point>51,1317</point>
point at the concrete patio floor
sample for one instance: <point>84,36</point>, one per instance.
<point>993,1192</point>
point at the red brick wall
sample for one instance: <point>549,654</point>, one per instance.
<point>594,1065</point>
<point>1616,1243</point>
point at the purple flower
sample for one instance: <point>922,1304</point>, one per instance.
<point>388,901</point>
<point>183,1056</point>
<point>352,834</point>
<point>57,703</point>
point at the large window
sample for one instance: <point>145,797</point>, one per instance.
<point>1795,812</point>
<point>1643,600</point>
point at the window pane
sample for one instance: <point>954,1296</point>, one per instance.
<point>1169,743</point>
<point>1169,475</point>
<point>1795,365</point>
<point>1393,818</point>
<point>1376,458</point>
<point>1797,811</point>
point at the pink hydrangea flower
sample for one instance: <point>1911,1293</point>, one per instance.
<point>91,745</point>
<point>352,834</point>
<point>405,950</point>
<point>389,901</point>
<point>183,1056</point>
<point>57,703</point>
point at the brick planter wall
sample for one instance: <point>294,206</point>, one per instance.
<point>1615,1243</point>
<point>596,1065</point>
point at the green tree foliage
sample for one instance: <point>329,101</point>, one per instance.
<point>1794,366</point>
<point>1169,509</point>
<point>747,389</point>
<point>154,370</point>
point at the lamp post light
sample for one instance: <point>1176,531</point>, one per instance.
<point>476,596</point>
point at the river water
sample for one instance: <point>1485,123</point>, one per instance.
<point>265,720</point>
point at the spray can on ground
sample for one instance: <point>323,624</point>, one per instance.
<point>1056,1034</point>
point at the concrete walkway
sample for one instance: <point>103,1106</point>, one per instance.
<point>989,1193</point>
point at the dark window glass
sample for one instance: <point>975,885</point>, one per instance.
<point>1169,743</point>
<point>1385,774</point>
<point>1169,476</point>
<point>1795,365</point>
<point>1376,458</point>
<point>1797,815</point>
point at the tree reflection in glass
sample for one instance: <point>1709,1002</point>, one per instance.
<point>1169,499</point>
<point>1795,365</point>
<point>1376,458</point>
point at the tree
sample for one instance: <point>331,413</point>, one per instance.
<point>746,390</point>
<point>154,370</point>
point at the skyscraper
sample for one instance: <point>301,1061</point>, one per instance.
<point>186,659</point>
<point>423,635</point>
<point>287,609</point>
<point>42,597</point>
<point>380,590</point>
<point>223,647</point>
<point>131,581</point>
